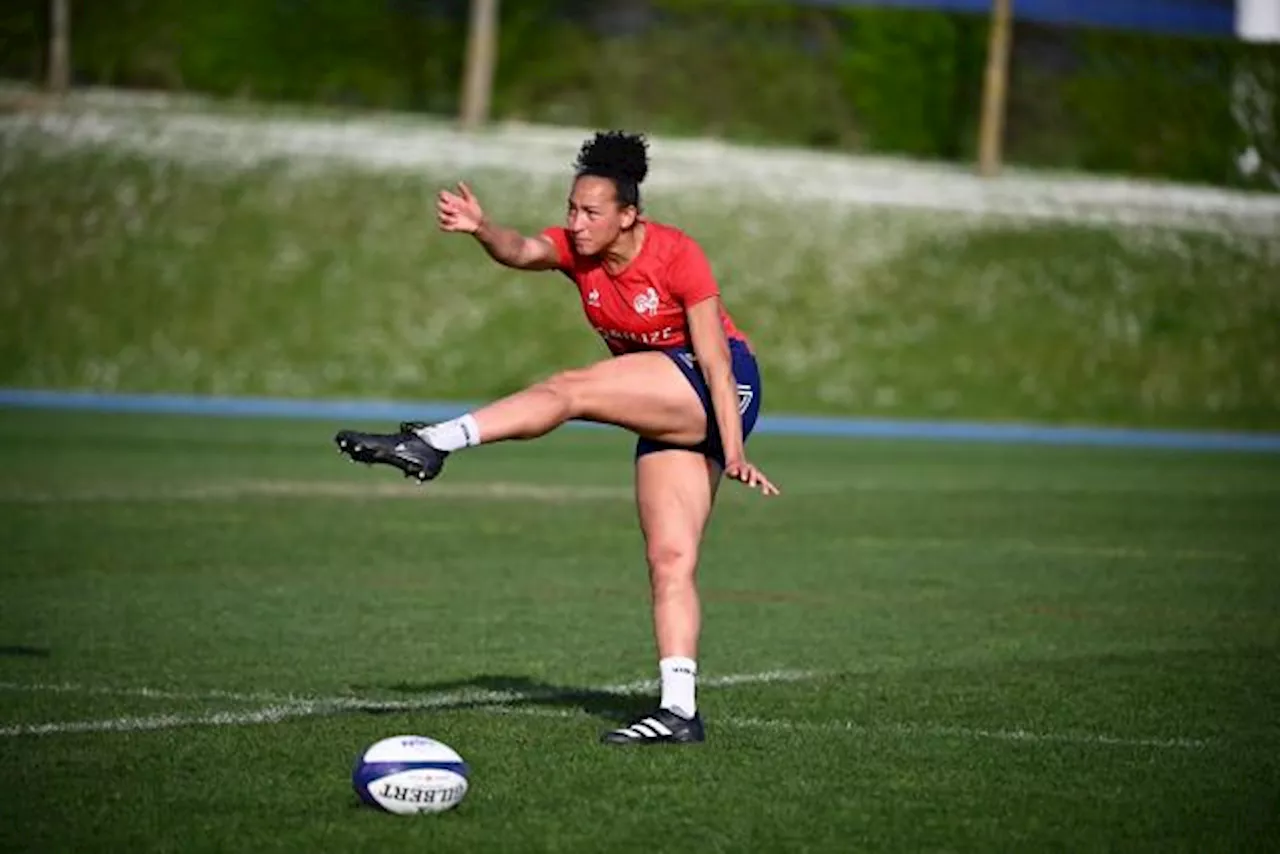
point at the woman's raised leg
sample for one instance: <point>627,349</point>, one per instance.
<point>643,392</point>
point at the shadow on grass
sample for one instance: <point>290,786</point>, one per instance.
<point>517,692</point>
<point>20,651</point>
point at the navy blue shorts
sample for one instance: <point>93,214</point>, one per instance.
<point>747,375</point>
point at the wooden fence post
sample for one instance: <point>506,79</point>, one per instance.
<point>481,59</point>
<point>995,89</point>
<point>59,46</point>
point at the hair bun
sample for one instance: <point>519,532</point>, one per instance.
<point>615,154</point>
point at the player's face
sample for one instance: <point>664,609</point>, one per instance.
<point>595,219</point>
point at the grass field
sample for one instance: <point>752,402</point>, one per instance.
<point>918,647</point>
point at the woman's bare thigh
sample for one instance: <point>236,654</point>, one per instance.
<point>643,392</point>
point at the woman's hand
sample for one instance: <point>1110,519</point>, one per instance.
<point>459,211</point>
<point>743,471</point>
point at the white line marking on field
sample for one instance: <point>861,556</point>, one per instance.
<point>149,693</point>
<point>934,731</point>
<point>901,729</point>
<point>285,706</point>
<point>472,696</point>
<point>268,715</point>
<point>237,489</point>
<point>762,678</point>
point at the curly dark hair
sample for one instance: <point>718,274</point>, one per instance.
<point>619,156</point>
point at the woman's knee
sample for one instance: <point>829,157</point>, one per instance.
<point>672,562</point>
<point>568,387</point>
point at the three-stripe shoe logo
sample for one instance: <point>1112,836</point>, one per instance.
<point>647,728</point>
<point>660,727</point>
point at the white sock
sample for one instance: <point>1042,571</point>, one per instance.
<point>679,676</point>
<point>452,435</point>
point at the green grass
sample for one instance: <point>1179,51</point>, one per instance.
<point>1120,609</point>
<point>135,274</point>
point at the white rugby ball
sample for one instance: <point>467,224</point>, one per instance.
<point>410,774</point>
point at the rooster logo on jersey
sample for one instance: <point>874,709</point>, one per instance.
<point>647,303</point>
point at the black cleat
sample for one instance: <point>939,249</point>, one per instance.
<point>405,450</point>
<point>661,727</point>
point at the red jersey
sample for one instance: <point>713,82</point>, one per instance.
<point>642,307</point>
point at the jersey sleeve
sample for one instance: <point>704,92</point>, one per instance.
<point>560,240</point>
<point>690,280</point>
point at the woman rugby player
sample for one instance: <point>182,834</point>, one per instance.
<point>681,376</point>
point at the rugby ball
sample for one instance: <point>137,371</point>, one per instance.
<point>409,775</point>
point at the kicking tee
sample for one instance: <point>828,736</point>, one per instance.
<point>642,307</point>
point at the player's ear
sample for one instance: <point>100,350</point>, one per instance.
<point>629,216</point>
